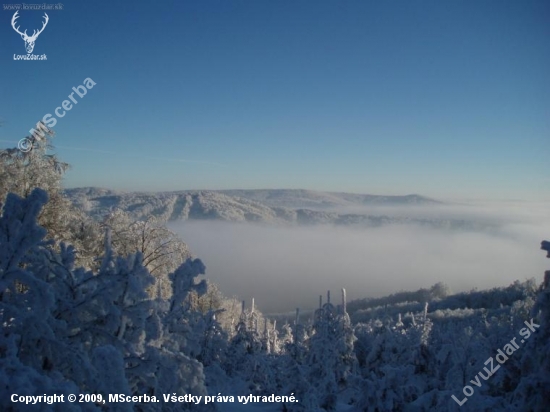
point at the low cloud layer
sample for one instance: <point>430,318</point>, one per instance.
<point>289,267</point>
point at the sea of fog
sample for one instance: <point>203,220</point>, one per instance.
<point>288,267</point>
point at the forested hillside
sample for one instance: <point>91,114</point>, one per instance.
<point>299,207</point>
<point>119,306</point>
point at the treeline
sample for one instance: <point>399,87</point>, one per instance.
<point>437,291</point>
<point>439,300</point>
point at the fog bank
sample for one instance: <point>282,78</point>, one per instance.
<point>288,267</point>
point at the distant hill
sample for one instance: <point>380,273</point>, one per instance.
<point>303,207</point>
<point>310,199</point>
<point>172,205</point>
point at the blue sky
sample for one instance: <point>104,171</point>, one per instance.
<point>449,99</point>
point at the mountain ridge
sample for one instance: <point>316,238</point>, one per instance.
<point>269,206</point>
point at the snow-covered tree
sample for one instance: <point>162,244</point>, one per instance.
<point>34,354</point>
<point>331,358</point>
<point>71,330</point>
<point>21,172</point>
<point>533,391</point>
<point>162,250</point>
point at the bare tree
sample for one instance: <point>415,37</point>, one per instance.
<point>162,250</point>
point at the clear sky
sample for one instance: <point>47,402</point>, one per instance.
<point>445,98</point>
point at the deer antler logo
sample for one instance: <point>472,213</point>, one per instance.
<point>29,40</point>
